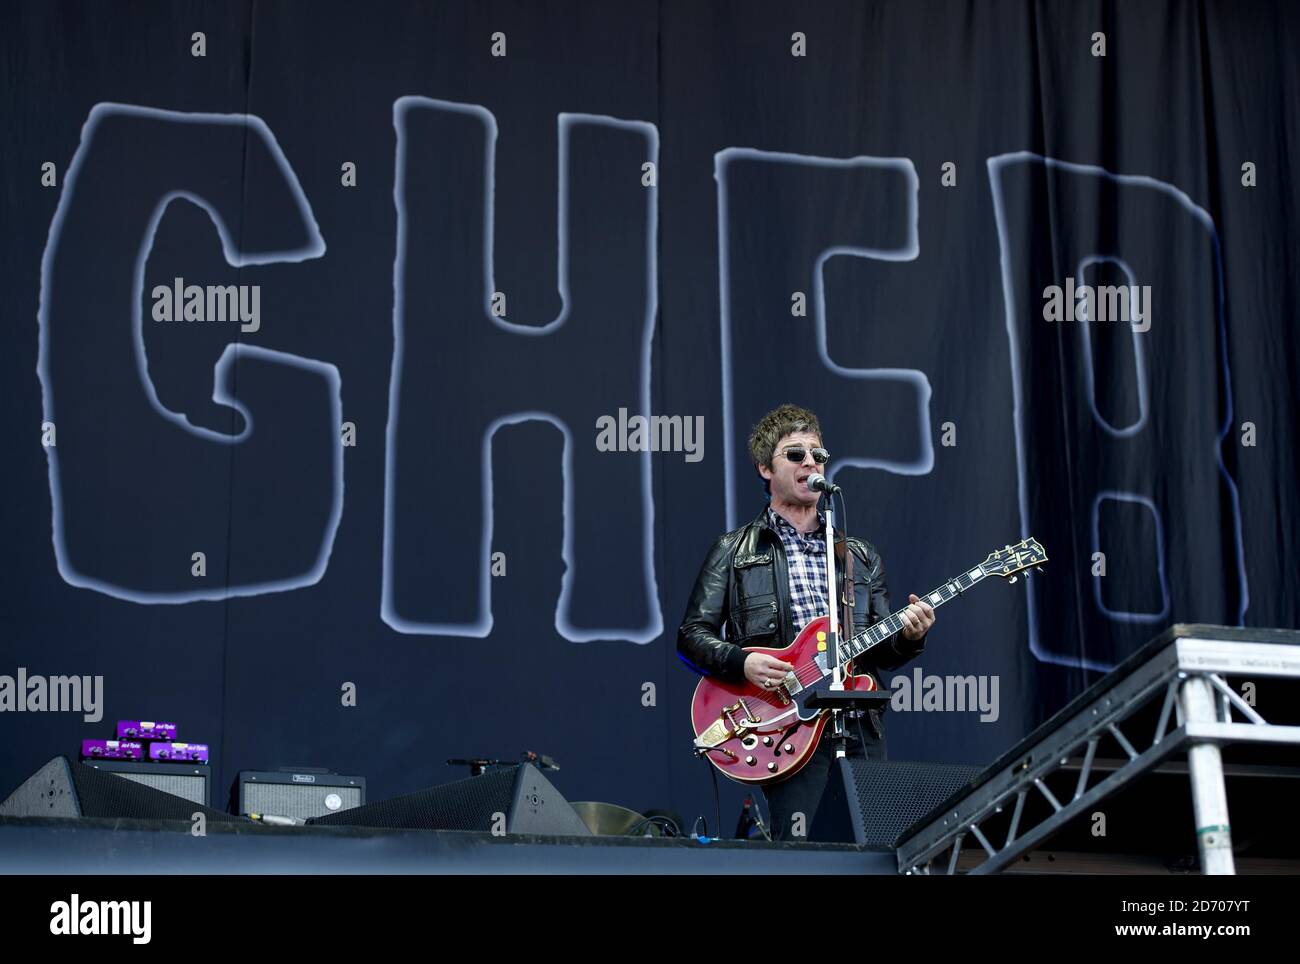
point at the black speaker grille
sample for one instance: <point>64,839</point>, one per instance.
<point>893,795</point>
<point>463,805</point>
<point>65,789</point>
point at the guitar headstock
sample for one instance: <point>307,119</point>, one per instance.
<point>1012,560</point>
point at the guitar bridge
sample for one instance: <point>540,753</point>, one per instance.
<point>727,726</point>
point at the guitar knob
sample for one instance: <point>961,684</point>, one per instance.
<point>788,748</point>
<point>749,760</point>
<point>771,768</point>
<point>767,741</point>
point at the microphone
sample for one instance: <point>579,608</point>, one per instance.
<point>818,483</point>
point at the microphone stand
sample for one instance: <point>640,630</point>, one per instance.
<point>833,638</point>
<point>835,697</point>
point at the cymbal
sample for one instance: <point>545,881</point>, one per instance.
<point>611,820</point>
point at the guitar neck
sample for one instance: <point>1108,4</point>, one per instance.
<point>881,631</point>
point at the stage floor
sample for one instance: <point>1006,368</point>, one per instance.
<point>46,845</point>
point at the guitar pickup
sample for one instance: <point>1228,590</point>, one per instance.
<point>789,687</point>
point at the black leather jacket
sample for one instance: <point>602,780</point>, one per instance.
<point>744,585</point>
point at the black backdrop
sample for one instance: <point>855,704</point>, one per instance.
<point>474,434</point>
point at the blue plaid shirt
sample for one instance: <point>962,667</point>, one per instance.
<point>805,554</point>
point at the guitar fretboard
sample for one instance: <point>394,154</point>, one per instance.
<point>882,630</point>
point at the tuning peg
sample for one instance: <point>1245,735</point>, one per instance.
<point>1012,580</point>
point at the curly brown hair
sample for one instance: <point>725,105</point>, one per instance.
<point>776,425</point>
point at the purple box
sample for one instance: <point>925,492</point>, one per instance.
<point>145,730</point>
<point>111,750</point>
<point>178,752</point>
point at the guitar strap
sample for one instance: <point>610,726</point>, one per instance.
<point>845,558</point>
<point>847,629</point>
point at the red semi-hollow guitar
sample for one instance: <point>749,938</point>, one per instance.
<point>763,736</point>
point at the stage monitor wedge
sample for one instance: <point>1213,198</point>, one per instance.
<point>872,802</point>
<point>65,789</point>
<point>514,800</point>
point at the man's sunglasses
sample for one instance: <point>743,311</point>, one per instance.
<point>797,454</point>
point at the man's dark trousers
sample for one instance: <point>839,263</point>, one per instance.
<point>802,793</point>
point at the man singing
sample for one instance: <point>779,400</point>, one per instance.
<point>764,581</point>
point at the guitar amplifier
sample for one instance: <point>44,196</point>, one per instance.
<point>179,779</point>
<point>299,795</point>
